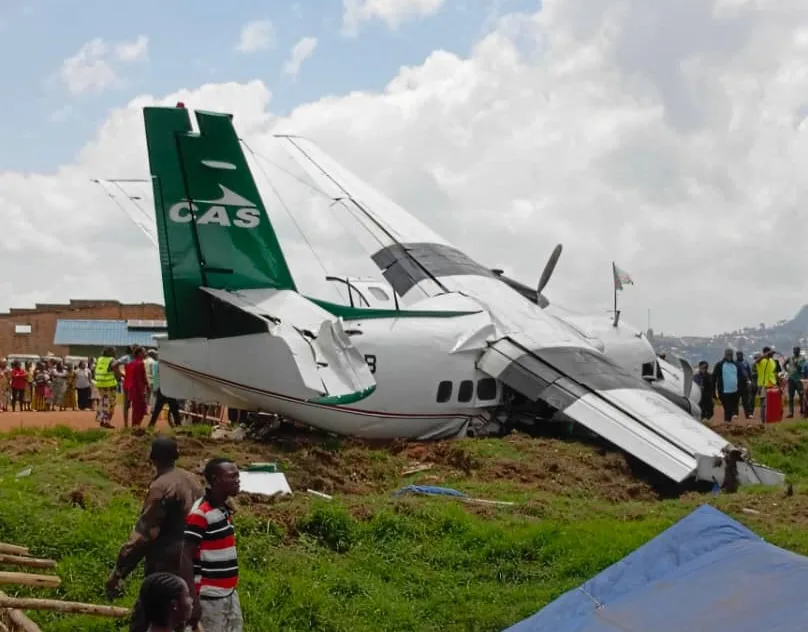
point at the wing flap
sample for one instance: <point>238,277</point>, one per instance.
<point>613,405</point>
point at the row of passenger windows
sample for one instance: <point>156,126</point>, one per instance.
<point>486,390</point>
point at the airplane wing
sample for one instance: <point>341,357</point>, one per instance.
<point>584,386</point>
<point>533,352</point>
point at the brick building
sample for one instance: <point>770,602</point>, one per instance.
<point>31,330</point>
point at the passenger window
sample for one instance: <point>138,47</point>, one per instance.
<point>466,391</point>
<point>486,389</point>
<point>378,292</point>
<point>444,392</point>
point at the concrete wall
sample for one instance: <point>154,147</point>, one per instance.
<point>42,319</point>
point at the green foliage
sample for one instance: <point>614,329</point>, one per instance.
<point>372,561</point>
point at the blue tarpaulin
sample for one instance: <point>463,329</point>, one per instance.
<point>707,573</point>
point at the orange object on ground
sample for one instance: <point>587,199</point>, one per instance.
<point>774,405</point>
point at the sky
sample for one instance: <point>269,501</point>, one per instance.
<point>670,138</point>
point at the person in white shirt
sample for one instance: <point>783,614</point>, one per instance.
<point>84,385</point>
<point>148,361</point>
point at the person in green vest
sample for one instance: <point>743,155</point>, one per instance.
<point>766,367</point>
<point>106,381</point>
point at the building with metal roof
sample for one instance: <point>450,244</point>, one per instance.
<point>89,337</point>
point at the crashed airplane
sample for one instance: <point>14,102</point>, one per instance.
<point>456,351</point>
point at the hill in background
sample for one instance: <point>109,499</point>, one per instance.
<point>783,336</point>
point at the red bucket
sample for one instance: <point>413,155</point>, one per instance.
<point>774,405</point>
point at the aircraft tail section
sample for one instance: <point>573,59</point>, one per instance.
<point>213,229</point>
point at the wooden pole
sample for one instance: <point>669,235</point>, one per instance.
<point>30,579</point>
<point>20,621</point>
<point>68,607</point>
<point>13,549</point>
<point>20,560</point>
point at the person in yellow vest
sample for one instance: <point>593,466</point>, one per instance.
<point>766,368</point>
<point>106,381</point>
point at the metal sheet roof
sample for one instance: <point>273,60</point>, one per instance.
<point>113,333</point>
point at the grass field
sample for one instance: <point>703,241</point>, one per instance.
<point>368,560</point>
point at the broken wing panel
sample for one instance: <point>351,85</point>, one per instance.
<point>610,403</point>
<point>280,305</point>
<point>388,221</point>
<point>323,354</point>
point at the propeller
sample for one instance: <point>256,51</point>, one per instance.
<point>549,267</point>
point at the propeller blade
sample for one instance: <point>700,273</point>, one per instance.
<point>548,268</point>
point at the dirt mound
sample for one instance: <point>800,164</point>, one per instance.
<point>547,465</point>
<point>352,468</point>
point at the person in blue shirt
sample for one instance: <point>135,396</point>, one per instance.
<point>727,378</point>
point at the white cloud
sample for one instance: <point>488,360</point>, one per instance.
<point>88,69</point>
<point>301,51</point>
<point>136,50</point>
<point>92,68</point>
<point>392,12</point>
<point>256,36</point>
<point>668,137</point>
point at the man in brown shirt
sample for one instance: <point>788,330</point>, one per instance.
<point>158,534</point>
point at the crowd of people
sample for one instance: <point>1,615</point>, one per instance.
<point>53,384</point>
<point>737,383</point>
<point>50,384</point>
<point>186,539</point>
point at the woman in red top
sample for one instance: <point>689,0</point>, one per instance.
<point>19,382</point>
<point>136,386</point>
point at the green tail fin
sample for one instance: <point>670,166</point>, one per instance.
<point>213,229</point>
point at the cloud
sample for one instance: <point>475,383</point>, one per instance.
<point>300,52</point>
<point>256,36</point>
<point>669,138</point>
<point>137,50</point>
<point>392,12</point>
<point>93,68</point>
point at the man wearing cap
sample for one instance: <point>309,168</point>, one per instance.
<point>157,537</point>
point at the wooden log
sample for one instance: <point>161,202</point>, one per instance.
<point>20,622</point>
<point>13,549</point>
<point>68,607</point>
<point>30,579</point>
<point>21,560</point>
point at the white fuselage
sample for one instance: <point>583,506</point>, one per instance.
<point>409,358</point>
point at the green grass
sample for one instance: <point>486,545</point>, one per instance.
<point>372,561</point>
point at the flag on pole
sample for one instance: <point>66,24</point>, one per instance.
<point>621,278</point>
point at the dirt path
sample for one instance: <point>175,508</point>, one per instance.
<point>78,420</point>
<point>84,420</point>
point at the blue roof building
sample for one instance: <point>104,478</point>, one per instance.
<point>89,337</point>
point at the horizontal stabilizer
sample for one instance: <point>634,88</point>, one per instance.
<point>276,305</point>
<point>304,352</point>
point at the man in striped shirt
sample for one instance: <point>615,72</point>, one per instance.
<point>209,556</point>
